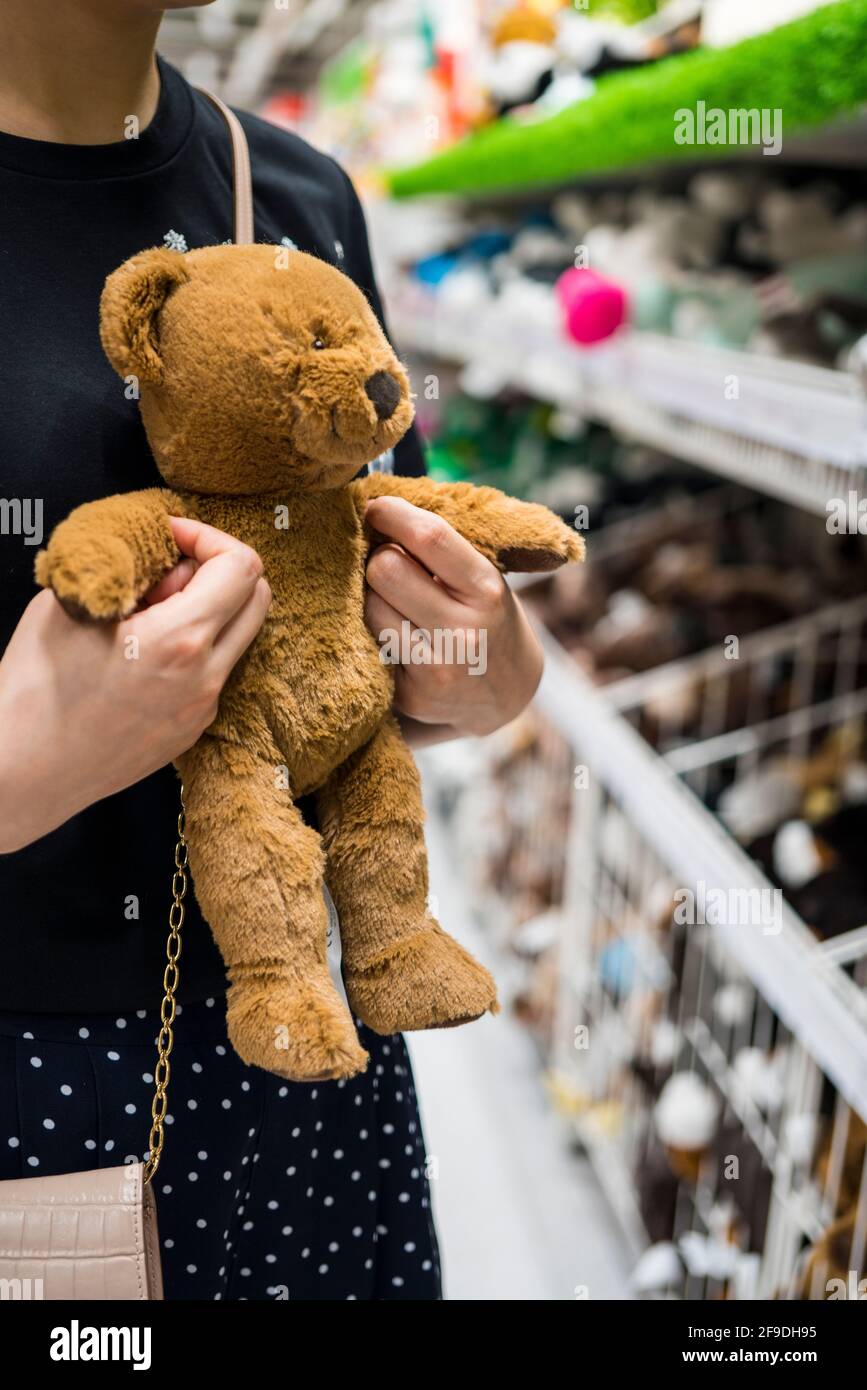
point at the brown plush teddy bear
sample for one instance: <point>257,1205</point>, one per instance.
<point>266,383</point>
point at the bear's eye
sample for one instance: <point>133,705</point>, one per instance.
<point>318,344</point>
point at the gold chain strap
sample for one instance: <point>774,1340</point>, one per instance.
<point>171,977</point>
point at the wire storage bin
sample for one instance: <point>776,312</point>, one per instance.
<point>708,1048</point>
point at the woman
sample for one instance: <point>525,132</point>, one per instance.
<point>266,1189</point>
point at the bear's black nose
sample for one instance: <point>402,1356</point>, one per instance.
<point>384,390</point>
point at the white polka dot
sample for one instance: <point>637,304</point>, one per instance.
<point>170,1119</point>
<point>318,1126</point>
<point>66,1090</point>
<point>147,1076</point>
<point>192,1104</point>
<point>362,1134</point>
<point>404,1197</point>
<point>314,1153</point>
<point>356,1231</point>
<point>36,1061</point>
<point>48,1124</point>
<point>272,1205</point>
<point>201,1223</point>
<point>305,1252</point>
<point>245,1085</point>
<point>310,1192</point>
<point>201,1155</point>
<point>141,1013</point>
<point>227,1105</point>
<point>33,1161</point>
<point>113,1056</point>
<point>28,1036</point>
<point>209,1004</point>
<point>130,1109</point>
<point>90,1143</point>
<point>287,1230</point>
<point>323,1269</point>
<point>388,1129</point>
<point>328,1201</point>
<point>120,1022</point>
<point>169,1244</point>
<point>192,1177</point>
<point>246,1272</point>
<point>368,1264</point>
<point>296,1131</point>
<point>283,1091</point>
<point>397,1281</point>
<point>409,1247</point>
<point>166,1190</point>
<point>197,1067</point>
<point>14,1141</point>
<point>385,1163</point>
<point>290,1172</point>
<point>426,1264</point>
<point>109,1145</point>
<point>355,1176</point>
<point>84,1032</point>
<point>313,1094</point>
<point>333,1247</point>
<point>271,1259</point>
<point>250,1133</point>
<point>191,1269</point>
<point>227,1175</point>
<point>248,1226</point>
<point>220,1050</point>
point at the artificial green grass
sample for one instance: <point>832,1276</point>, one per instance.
<point>812,70</point>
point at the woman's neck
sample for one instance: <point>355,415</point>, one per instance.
<point>74,73</point>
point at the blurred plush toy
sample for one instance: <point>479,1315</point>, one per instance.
<point>266,385</point>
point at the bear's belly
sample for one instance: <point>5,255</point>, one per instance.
<point>311,688</point>
<point>320,691</point>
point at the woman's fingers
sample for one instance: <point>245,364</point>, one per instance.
<point>176,580</point>
<point>436,544</point>
<point>380,616</point>
<point>237,635</point>
<point>408,588</point>
<point>225,576</point>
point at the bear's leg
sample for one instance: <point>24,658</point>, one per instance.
<point>401,969</point>
<point>257,871</point>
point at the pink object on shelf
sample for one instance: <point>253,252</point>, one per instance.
<point>593,307</point>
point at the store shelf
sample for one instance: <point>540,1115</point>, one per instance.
<point>819,1004</point>
<point>812,70</point>
<point>791,430</point>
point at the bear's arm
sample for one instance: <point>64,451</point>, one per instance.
<point>517,536</point>
<point>105,556</point>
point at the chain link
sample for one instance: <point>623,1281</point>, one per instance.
<point>171,979</point>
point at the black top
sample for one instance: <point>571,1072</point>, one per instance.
<point>70,215</point>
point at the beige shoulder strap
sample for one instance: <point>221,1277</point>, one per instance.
<point>241,171</point>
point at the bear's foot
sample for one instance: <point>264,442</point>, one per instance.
<point>424,981</point>
<point>301,1030</point>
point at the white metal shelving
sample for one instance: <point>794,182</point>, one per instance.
<point>788,429</point>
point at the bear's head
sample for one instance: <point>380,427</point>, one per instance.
<point>260,370</point>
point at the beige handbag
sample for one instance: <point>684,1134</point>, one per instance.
<point>94,1235</point>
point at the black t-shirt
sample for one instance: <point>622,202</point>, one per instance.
<point>69,215</point>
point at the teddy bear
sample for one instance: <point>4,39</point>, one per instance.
<point>266,384</point>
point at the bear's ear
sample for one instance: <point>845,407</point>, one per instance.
<point>131,301</point>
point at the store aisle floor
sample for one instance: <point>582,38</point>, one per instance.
<point>519,1215</point>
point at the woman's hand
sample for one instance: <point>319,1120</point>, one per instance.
<point>429,576</point>
<point>87,709</point>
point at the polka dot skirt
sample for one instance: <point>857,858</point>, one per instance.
<point>267,1189</point>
